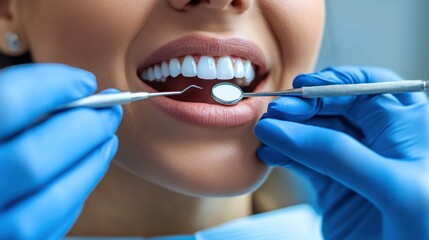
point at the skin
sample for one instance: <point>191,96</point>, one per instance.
<point>165,168</point>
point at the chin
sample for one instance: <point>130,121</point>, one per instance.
<point>203,182</point>
<point>207,163</point>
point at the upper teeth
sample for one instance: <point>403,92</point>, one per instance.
<point>226,68</point>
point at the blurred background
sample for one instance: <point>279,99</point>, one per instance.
<point>387,33</point>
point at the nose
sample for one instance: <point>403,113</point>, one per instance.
<point>237,5</point>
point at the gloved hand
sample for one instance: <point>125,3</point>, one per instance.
<point>48,166</point>
<point>366,156</point>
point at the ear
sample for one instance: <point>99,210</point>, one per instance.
<point>10,30</point>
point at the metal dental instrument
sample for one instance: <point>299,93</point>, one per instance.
<point>110,99</point>
<point>229,94</point>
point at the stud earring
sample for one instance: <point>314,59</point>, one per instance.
<point>13,41</point>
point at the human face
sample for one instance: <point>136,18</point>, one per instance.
<point>188,144</point>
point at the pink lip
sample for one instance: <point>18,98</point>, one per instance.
<point>210,46</point>
<point>205,114</point>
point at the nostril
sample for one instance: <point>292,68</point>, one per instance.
<point>240,5</point>
<point>236,3</point>
<point>194,2</point>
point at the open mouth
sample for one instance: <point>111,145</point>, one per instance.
<point>205,61</point>
<point>204,71</point>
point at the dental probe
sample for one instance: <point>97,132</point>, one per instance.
<point>110,99</point>
<point>230,94</point>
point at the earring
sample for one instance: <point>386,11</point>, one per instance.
<point>13,41</point>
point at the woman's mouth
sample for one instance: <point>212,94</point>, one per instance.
<point>204,71</point>
<point>204,61</point>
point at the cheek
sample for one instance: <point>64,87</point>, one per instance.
<point>298,27</point>
<point>94,35</point>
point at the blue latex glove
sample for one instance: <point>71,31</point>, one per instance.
<point>367,156</point>
<point>48,167</point>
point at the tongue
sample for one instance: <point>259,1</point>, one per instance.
<point>193,94</point>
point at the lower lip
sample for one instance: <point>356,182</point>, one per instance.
<point>247,111</point>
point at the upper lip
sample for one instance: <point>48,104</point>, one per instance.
<point>208,46</point>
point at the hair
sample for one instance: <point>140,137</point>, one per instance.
<point>7,61</point>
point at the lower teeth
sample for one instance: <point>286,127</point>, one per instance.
<point>203,96</point>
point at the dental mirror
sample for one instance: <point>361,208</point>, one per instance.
<point>227,93</point>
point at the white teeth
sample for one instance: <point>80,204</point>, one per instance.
<point>165,69</point>
<point>144,76</point>
<point>189,67</point>
<point>239,69</point>
<point>249,73</point>
<point>207,68</point>
<point>150,74</point>
<point>174,67</point>
<point>225,69</point>
<point>157,72</point>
